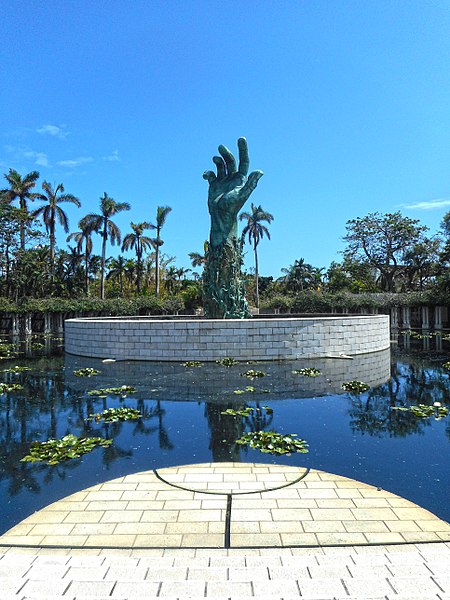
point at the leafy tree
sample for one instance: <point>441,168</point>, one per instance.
<point>20,189</point>
<point>139,243</point>
<point>83,237</point>
<point>421,262</point>
<point>52,212</point>
<point>255,231</point>
<point>161,216</point>
<point>382,241</point>
<point>197,259</point>
<point>117,270</point>
<point>101,223</point>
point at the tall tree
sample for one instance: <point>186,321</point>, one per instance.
<point>20,189</point>
<point>255,231</point>
<point>83,237</point>
<point>52,212</point>
<point>101,223</point>
<point>161,216</point>
<point>197,259</point>
<point>139,243</point>
<point>382,241</point>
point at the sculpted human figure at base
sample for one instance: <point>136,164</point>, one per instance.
<point>229,189</point>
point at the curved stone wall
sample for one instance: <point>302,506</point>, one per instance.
<point>147,338</point>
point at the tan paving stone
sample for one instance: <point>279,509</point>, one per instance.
<point>291,514</point>
<point>323,526</point>
<point>139,495</point>
<point>401,526</point>
<point>210,540</point>
<point>332,514</point>
<point>66,506</point>
<point>190,516</point>
<point>185,528</point>
<point>52,529</point>
<point>144,505</point>
<point>102,506</point>
<point>246,527</point>
<point>384,538</point>
<point>77,516</point>
<point>281,527</point>
<point>138,528</point>
<point>122,516</point>
<point>108,496</point>
<point>341,538</point>
<point>374,514</point>
<point>255,539</point>
<point>172,540</point>
<point>366,526</point>
<point>156,516</point>
<point>64,540</point>
<point>44,516</point>
<point>93,529</point>
<point>430,525</point>
<point>110,540</point>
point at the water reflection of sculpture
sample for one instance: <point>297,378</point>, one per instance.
<point>223,285</point>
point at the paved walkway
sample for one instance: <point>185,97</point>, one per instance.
<point>230,530</point>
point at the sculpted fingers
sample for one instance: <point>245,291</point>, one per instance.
<point>252,182</point>
<point>244,161</point>
<point>209,176</point>
<point>220,164</point>
<point>229,159</point>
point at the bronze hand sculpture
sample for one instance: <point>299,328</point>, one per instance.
<point>224,288</point>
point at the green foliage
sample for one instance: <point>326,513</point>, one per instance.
<point>446,365</point>
<point>122,391</point>
<point>70,446</point>
<point>308,372</point>
<point>243,412</point>
<point>16,369</point>
<point>227,361</point>
<point>355,387</point>
<point>424,411</point>
<point>271,442</point>
<point>249,388</point>
<point>252,374</point>
<point>111,415</point>
<point>192,363</point>
<point>86,372</point>
<point>10,387</point>
<point>7,351</point>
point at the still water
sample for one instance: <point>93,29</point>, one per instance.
<point>357,436</point>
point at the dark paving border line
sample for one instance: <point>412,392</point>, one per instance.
<point>227,542</point>
<point>186,489</point>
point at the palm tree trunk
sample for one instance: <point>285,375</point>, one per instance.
<point>52,249</point>
<point>139,268</point>
<point>22,223</point>
<point>86,263</point>
<point>256,274</point>
<point>102,272</point>
<point>157,269</point>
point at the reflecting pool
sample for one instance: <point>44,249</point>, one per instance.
<point>358,436</point>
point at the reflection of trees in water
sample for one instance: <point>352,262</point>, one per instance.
<point>412,383</point>
<point>226,429</point>
<point>47,409</point>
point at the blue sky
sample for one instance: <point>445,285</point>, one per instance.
<point>345,106</point>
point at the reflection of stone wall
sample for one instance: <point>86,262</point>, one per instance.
<point>245,339</point>
<point>211,382</point>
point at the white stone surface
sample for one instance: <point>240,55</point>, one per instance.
<point>201,339</point>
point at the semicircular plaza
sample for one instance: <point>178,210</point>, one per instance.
<point>228,505</point>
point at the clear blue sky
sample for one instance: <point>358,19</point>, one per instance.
<point>345,105</point>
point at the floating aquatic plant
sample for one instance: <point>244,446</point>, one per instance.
<point>16,369</point>
<point>271,442</point>
<point>268,410</point>
<point>192,363</point>
<point>10,387</point>
<point>86,372</point>
<point>36,346</point>
<point>227,361</point>
<point>123,390</point>
<point>424,411</point>
<point>250,389</point>
<point>251,374</point>
<point>307,372</point>
<point>446,365</point>
<point>356,387</point>
<point>243,412</point>
<point>70,446</point>
<point>7,351</point>
<point>111,415</point>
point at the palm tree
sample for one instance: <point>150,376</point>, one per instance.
<point>51,212</point>
<point>102,224</point>
<point>140,243</point>
<point>83,236</point>
<point>161,216</point>
<point>256,231</point>
<point>20,188</point>
<point>117,270</point>
<point>197,259</point>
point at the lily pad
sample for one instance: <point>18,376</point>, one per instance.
<point>111,415</point>
<point>123,390</point>
<point>244,412</point>
<point>271,442</point>
<point>424,411</point>
<point>251,374</point>
<point>86,372</point>
<point>10,387</point>
<point>16,369</point>
<point>227,361</point>
<point>308,372</point>
<point>192,363</point>
<point>70,446</point>
<point>355,387</point>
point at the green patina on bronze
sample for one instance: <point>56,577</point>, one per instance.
<point>223,285</point>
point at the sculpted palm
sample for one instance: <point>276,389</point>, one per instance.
<point>256,231</point>
<point>138,242</point>
<point>161,216</point>
<point>52,212</point>
<point>101,223</point>
<point>20,189</point>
